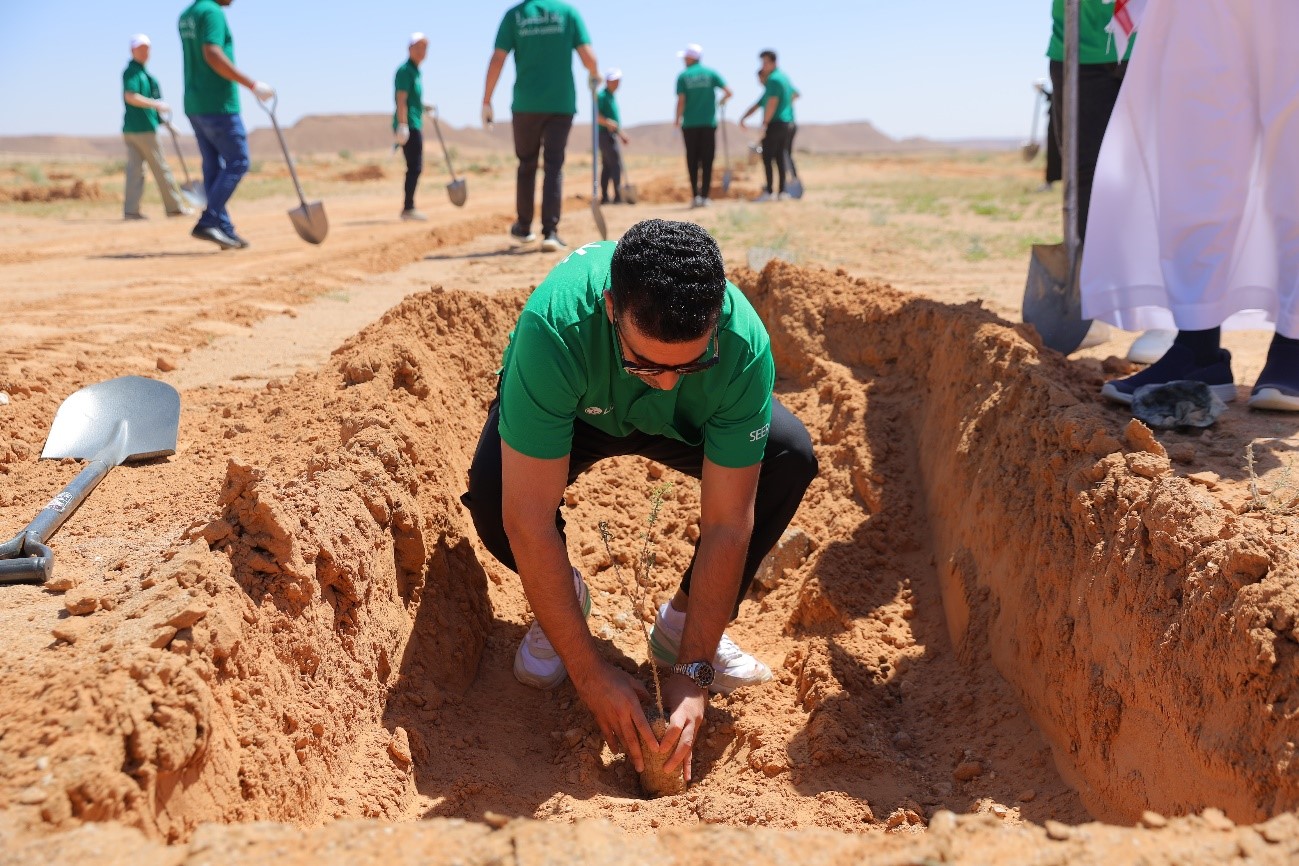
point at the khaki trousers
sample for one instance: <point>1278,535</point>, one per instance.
<point>142,147</point>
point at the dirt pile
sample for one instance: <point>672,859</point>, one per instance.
<point>1004,600</point>
<point>79,190</point>
<point>670,189</point>
<point>363,173</point>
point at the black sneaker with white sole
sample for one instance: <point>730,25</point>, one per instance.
<point>520,235</point>
<point>553,243</point>
<point>216,236</point>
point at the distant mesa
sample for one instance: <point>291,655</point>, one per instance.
<point>368,132</point>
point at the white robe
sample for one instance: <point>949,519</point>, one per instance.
<point>1195,204</point>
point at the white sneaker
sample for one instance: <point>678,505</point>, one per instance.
<point>536,663</point>
<point>783,196</point>
<point>1097,332</point>
<point>696,202</point>
<point>704,201</point>
<point>732,666</point>
<point>766,196</point>
<point>1151,346</point>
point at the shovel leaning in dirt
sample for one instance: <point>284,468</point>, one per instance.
<point>727,175</point>
<point>793,186</point>
<point>129,418</point>
<point>628,188</point>
<point>1030,148</point>
<point>309,218</point>
<point>192,190</point>
<point>595,165</point>
<point>1052,302</point>
<point>456,190</point>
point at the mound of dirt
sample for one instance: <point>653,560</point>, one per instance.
<point>364,173</point>
<point>670,189</point>
<point>1004,600</point>
<point>78,190</point>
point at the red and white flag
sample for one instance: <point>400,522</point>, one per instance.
<point>1127,17</point>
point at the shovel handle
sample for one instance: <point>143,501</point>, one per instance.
<point>445,153</point>
<point>269,106</point>
<point>36,568</point>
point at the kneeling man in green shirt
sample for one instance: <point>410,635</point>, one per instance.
<point>642,347</point>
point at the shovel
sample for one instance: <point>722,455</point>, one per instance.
<point>1030,148</point>
<point>193,190</point>
<point>309,219</point>
<point>130,418</point>
<point>726,156</point>
<point>793,186</point>
<point>595,166</point>
<point>456,190</point>
<point>628,188</point>
<point>1052,302</point>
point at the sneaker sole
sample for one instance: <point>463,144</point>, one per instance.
<point>550,247</point>
<point>1225,393</point>
<point>526,239</point>
<point>1273,398</point>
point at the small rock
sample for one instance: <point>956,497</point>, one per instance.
<point>1273,831</point>
<point>1057,831</point>
<point>1206,479</point>
<point>902,740</point>
<point>1027,796</point>
<point>60,583</point>
<point>944,821</point>
<point>31,796</point>
<point>790,552</point>
<point>163,637</point>
<point>166,364</point>
<point>1181,452</point>
<point>1217,819</point>
<point>193,612</point>
<point>1153,820</point>
<point>4,398</point>
<point>999,810</point>
<point>70,630</point>
<point>572,737</point>
<point>399,746</point>
<point>80,603</point>
<point>967,770</point>
<point>495,820</point>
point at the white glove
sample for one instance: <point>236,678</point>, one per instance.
<point>595,80</point>
<point>161,107</point>
<point>487,115</point>
<point>263,91</point>
<point>431,111</point>
<point>403,133</point>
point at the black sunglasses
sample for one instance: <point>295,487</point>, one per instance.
<point>632,367</point>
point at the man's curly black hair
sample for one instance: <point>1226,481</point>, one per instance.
<point>667,279</point>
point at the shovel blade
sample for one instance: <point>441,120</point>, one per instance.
<point>1029,150</point>
<point>194,193</point>
<point>599,220</point>
<point>310,221</point>
<point>1052,303</point>
<point>629,193</point>
<point>458,192</point>
<point>795,188</point>
<point>93,417</point>
<point>727,176</point>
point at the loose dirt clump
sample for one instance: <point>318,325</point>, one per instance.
<point>362,174</point>
<point>672,189</point>
<point>78,190</point>
<point>1007,613</point>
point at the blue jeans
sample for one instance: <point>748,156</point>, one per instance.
<point>224,145</point>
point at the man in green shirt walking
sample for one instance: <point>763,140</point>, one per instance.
<point>611,138</point>
<point>543,34</point>
<point>777,107</point>
<point>408,120</point>
<point>639,348</point>
<point>212,106</point>
<point>697,87</point>
<point>144,103</point>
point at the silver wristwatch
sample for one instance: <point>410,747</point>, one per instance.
<point>700,672</point>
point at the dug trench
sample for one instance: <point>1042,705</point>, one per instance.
<point>1001,598</point>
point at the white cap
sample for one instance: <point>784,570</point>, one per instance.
<point>613,75</point>
<point>693,52</point>
<point>417,37</point>
<point>139,39</point>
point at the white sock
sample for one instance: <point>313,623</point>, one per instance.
<point>673,618</point>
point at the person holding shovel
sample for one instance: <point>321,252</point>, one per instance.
<point>697,87</point>
<point>642,347</point>
<point>144,103</point>
<point>408,120</point>
<point>543,34</point>
<point>777,106</point>
<point>212,106</point>
<point>611,138</point>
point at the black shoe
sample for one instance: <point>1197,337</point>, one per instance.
<point>553,243</point>
<point>520,235</point>
<point>242,242</point>
<point>1178,364</point>
<point>216,236</point>
<point>134,216</point>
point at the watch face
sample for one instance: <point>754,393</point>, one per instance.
<point>702,673</point>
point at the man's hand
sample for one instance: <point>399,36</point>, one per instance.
<point>614,697</point>
<point>431,111</point>
<point>161,107</point>
<point>488,120</point>
<point>403,133</point>
<point>685,705</point>
<point>263,91</point>
<point>595,80</point>
<point>622,135</point>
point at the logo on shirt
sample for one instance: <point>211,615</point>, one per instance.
<point>596,410</point>
<point>757,435</point>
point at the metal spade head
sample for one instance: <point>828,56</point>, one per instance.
<point>726,180</point>
<point>1029,149</point>
<point>795,188</point>
<point>310,221</point>
<point>1051,300</point>
<point>629,193</point>
<point>458,192</point>
<point>92,418</point>
<point>599,219</point>
<point>194,193</point>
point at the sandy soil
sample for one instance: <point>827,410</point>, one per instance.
<point>1008,613</point>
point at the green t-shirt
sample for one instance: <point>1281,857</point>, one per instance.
<point>562,367</point>
<point>1094,44</point>
<point>136,79</point>
<point>699,84</point>
<point>204,23</point>
<point>408,80</point>
<point>608,106</point>
<point>779,86</point>
<point>543,34</point>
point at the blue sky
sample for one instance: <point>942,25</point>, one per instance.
<point>943,69</point>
